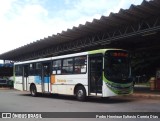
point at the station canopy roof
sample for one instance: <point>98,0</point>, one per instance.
<point>134,14</point>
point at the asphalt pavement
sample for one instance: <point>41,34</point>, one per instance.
<point>21,101</point>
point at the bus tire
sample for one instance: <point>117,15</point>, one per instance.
<point>80,93</point>
<point>33,91</point>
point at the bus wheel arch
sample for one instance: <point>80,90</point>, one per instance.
<point>33,90</point>
<point>80,92</point>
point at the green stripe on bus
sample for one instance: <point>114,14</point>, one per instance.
<point>97,51</point>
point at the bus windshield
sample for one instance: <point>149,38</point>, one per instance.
<point>117,66</point>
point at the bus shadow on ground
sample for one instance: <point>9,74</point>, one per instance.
<point>110,100</point>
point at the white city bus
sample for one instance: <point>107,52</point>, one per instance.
<point>103,72</point>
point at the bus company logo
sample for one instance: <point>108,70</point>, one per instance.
<point>61,80</point>
<point>6,115</point>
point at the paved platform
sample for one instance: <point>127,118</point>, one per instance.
<point>141,91</point>
<point>6,88</point>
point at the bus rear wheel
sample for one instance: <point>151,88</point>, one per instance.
<point>81,93</point>
<point>33,91</point>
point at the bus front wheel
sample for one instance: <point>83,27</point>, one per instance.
<point>80,93</point>
<point>33,91</point>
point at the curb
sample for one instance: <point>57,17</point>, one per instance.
<point>5,88</point>
<point>148,96</point>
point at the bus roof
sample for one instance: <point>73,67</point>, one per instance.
<point>52,58</point>
<point>66,56</point>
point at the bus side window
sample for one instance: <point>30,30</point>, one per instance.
<point>67,67</point>
<point>56,67</point>
<point>38,67</point>
<point>18,70</point>
<point>31,69</point>
<point>80,65</point>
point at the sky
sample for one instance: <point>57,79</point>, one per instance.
<point>25,21</point>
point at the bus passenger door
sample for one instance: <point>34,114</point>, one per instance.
<point>46,77</point>
<point>95,73</point>
<point>25,77</point>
